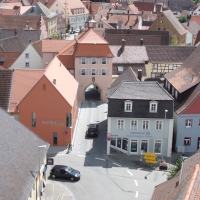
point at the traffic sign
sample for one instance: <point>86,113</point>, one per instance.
<point>109,135</point>
<point>108,139</point>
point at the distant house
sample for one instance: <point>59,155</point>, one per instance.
<point>183,84</point>
<point>137,115</point>
<point>50,18</point>
<point>53,123</point>
<point>136,37</point>
<point>164,59</point>
<point>128,56</point>
<point>196,10</point>
<point>23,160</point>
<point>167,21</point>
<point>184,185</point>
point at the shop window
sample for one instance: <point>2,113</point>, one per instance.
<point>93,72</point>
<point>159,125</point>
<point>68,120</point>
<point>188,123</point>
<point>153,105</point>
<point>104,60</point>
<point>187,141</point>
<point>120,124</point>
<point>128,106</point>
<point>157,146</point>
<point>113,142</point>
<point>33,119</point>
<point>125,144</point>
<point>119,143</point>
<point>55,138</point>
<point>144,145</point>
<point>134,146</point>
<point>145,125</point>
<point>94,61</point>
<point>104,71</point>
<point>133,124</point>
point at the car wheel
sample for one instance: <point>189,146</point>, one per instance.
<point>53,176</point>
<point>72,178</point>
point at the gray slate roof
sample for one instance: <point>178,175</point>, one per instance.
<point>139,91</point>
<point>193,27</point>
<point>11,44</point>
<point>131,54</point>
<point>40,9</point>
<point>19,157</point>
<point>25,36</point>
<point>168,53</point>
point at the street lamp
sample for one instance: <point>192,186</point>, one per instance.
<point>164,132</point>
<point>37,186</point>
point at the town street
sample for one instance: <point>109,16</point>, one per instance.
<point>101,178</point>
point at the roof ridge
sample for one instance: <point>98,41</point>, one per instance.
<point>165,90</point>
<point>117,85</point>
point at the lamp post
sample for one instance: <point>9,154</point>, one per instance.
<point>164,132</point>
<point>39,147</point>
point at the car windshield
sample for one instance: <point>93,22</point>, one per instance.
<point>92,129</point>
<point>69,169</point>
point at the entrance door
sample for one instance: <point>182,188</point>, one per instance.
<point>198,143</point>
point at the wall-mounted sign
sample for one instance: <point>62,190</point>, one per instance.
<point>140,134</point>
<point>50,161</point>
<point>52,122</point>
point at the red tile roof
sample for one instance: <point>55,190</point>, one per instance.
<point>10,58</point>
<point>196,19</point>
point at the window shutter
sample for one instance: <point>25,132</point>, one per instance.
<point>86,60</point>
<point>86,72</point>
<point>79,60</point>
<point>106,71</point>
<point>79,71</point>
<point>107,60</point>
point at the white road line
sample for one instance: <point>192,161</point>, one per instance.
<point>136,194</point>
<point>81,156</point>
<point>136,183</point>
<point>129,172</point>
<point>117,164</point>
<point>100,159</point>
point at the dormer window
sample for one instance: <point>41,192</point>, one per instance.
<point>153,106</point>
<point>128,106</point>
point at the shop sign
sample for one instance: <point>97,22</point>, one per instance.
<point>52,122</point>
<point>50,161</point>
<point>140,134</point>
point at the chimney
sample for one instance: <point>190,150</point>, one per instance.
<point>27,25</point>
<point>141,41</point>
<point>123,44</point>
<point>15,31</point>
<point>54,81</point>
<point>130,27</point>
<point>188,24</point>
<point>140,74</point>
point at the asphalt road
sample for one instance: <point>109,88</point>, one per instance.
<point>101,178</point>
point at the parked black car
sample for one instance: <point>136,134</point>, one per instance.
<point>62,171</point>
<point>92,130</point>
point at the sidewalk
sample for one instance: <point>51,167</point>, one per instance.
<point>134,161</point>
<point>55,190</point>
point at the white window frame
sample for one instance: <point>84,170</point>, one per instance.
<point>187,142</point>
<point>104,70</point>
<point>148,122</point>
<point>159,129</point>
<point>151,103</point>
<point>188,123</point>
<point>93,70</point>
<point>95,60</point>
<point>27,64</point>
<point>134,125</point>
<point>27,55</point>
<point>82,74</point>
<point>138,145</point>
<point>123,124</point>
<point>157,141</point>
<point>147,144</point>
<point>103,61</point>
<point>82,62</point>
<point>128,103</point>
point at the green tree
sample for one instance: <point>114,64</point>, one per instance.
<point>55,35</point>
<point>196,1</point>
<point>68,25</point>
<point>174,170</point>
<point>174,41</point>
<point>183,19</point>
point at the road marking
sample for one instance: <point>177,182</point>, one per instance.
<point>100,159</point>
<point>136,183</point>
<point>81,156</point>
<point>129,172</point>
<point>136,195</point>
<point>117,164</point>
